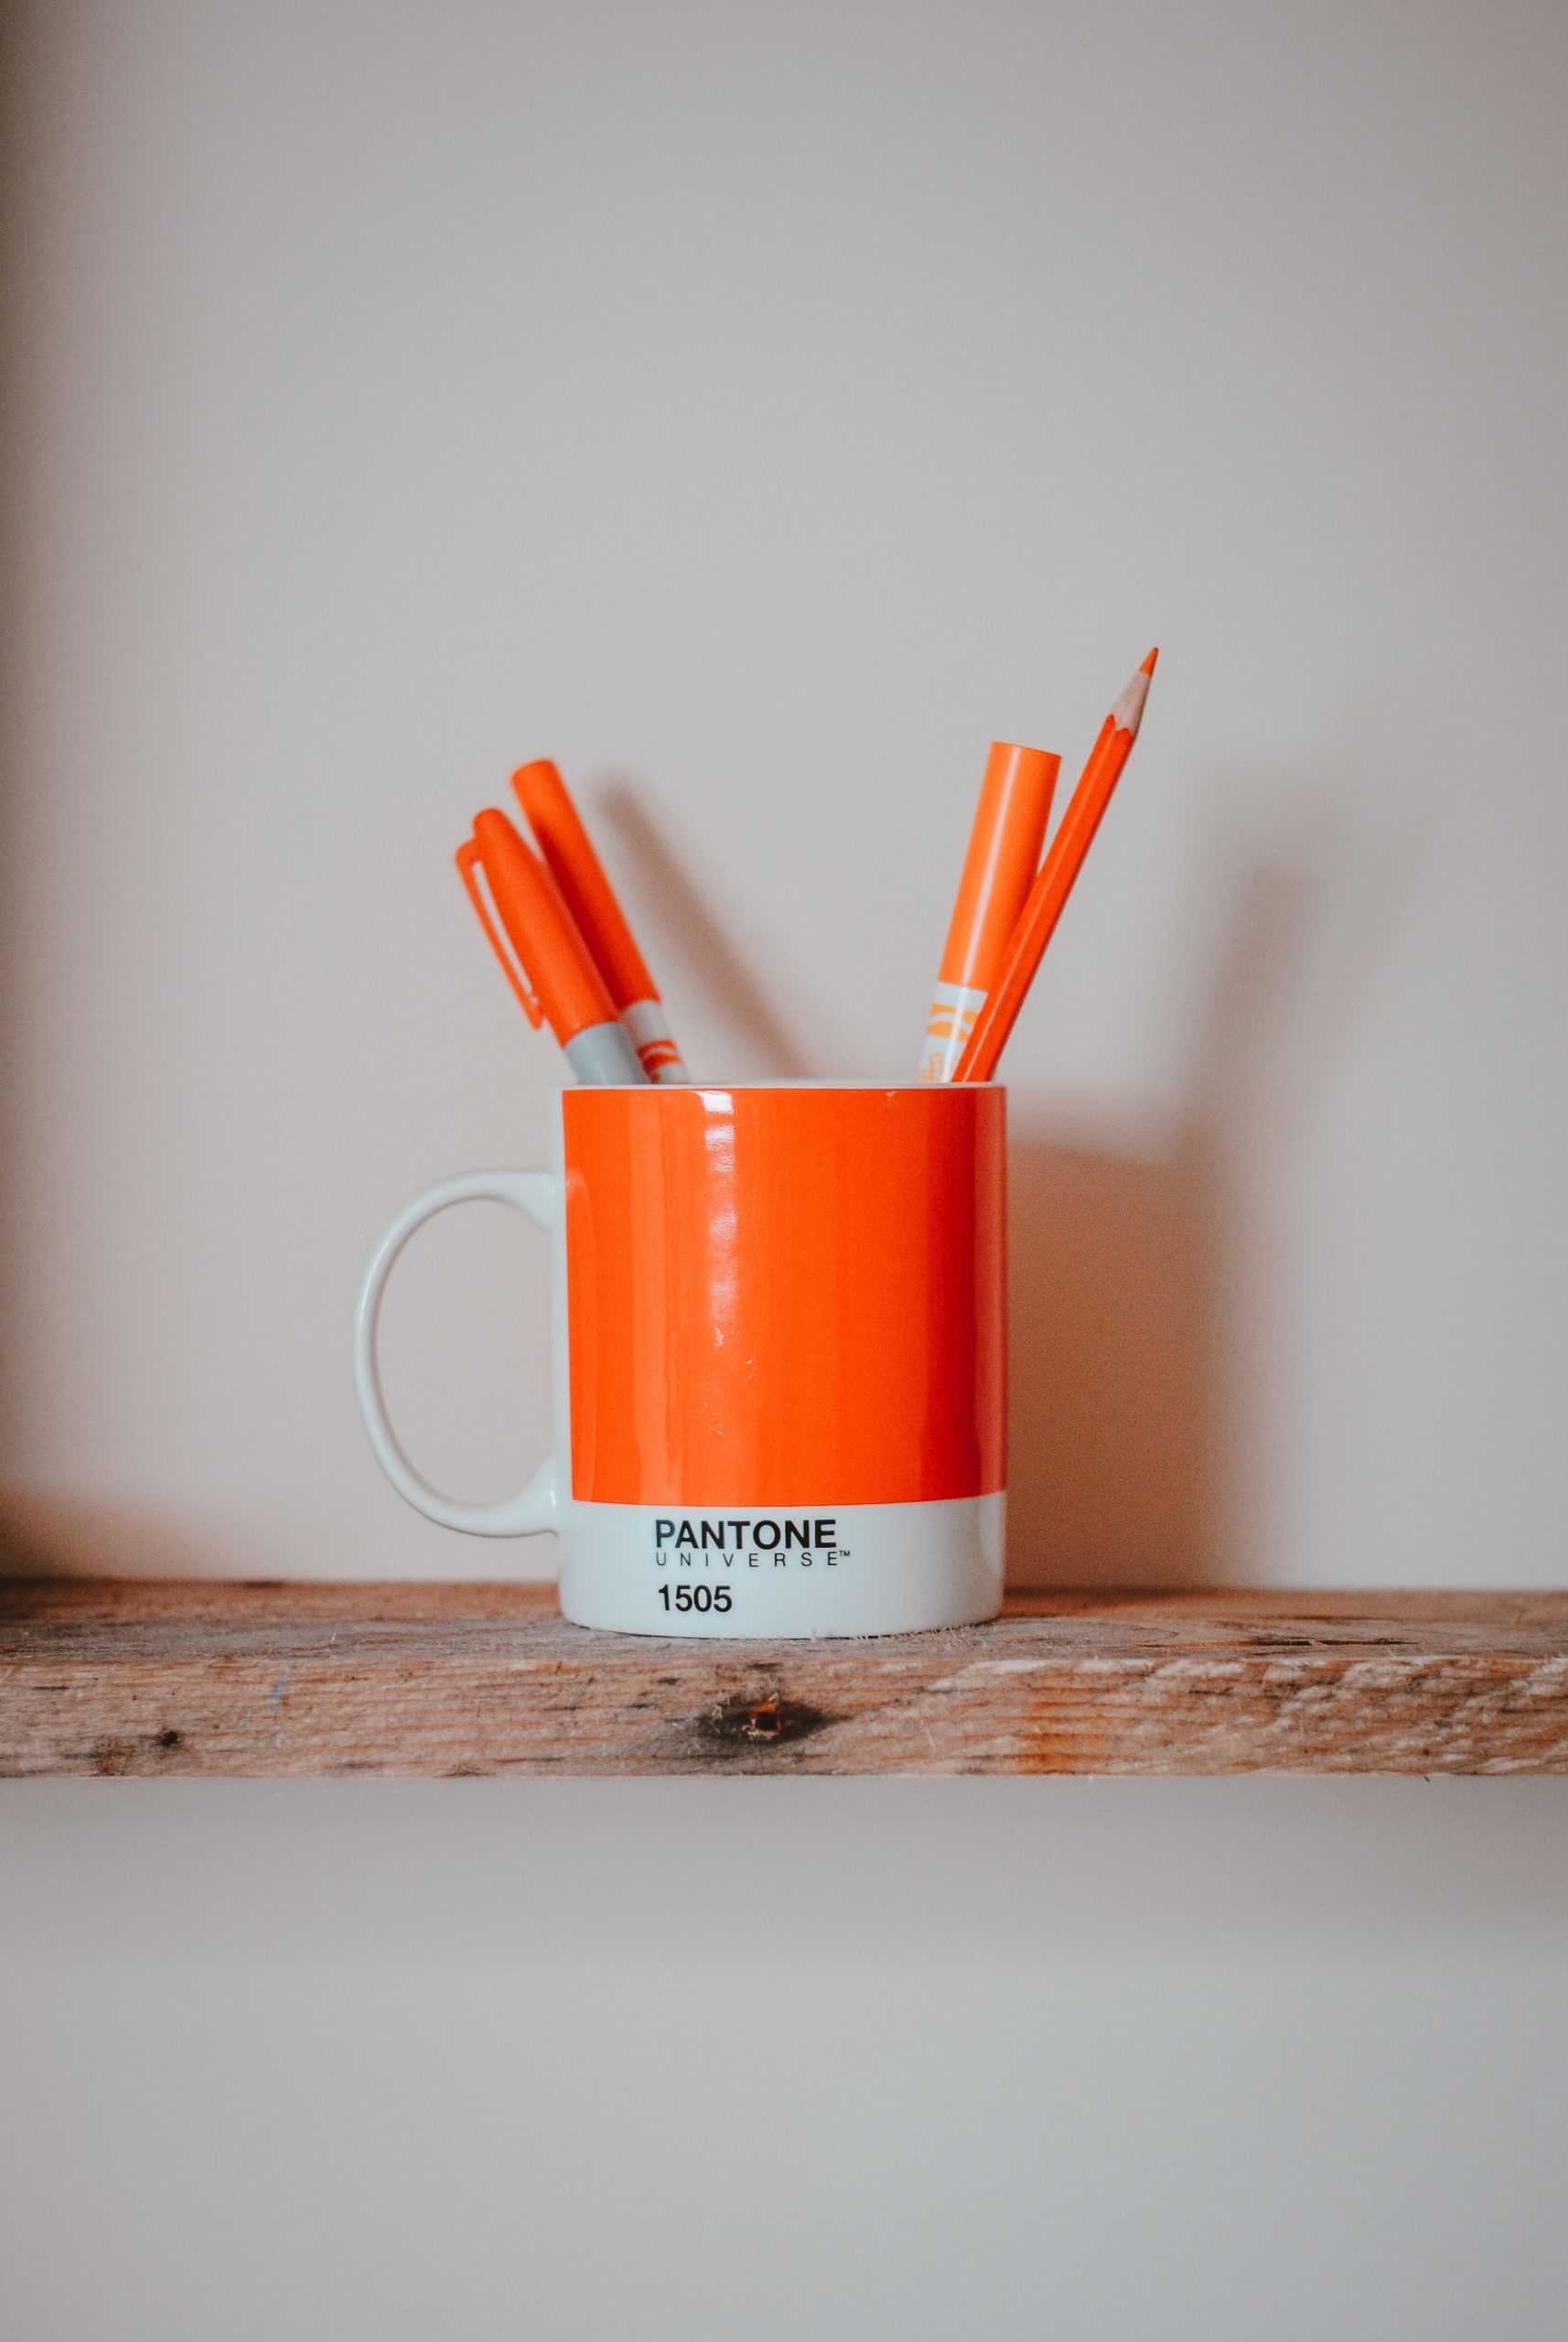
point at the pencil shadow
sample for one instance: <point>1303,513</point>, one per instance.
<point>708,955</point>
<point>1127,1445</point>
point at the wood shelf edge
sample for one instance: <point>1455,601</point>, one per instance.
<point>221,1678</point>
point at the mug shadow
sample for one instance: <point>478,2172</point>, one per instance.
<point>1114,1440</point>
<point>1126,1432</point>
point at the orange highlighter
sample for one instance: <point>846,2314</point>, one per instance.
<point>999,868</point>
<point>580,875</point>
<point>547,964</point>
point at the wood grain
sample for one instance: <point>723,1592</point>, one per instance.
<point>184,1678</point>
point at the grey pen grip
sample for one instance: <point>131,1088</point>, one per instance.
<point>604,1053</point>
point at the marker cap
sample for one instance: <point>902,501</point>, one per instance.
<point>580,875</point>
<point>999,868</point>
<point>547,953</point>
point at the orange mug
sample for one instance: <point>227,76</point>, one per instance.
<point>779,1341</point>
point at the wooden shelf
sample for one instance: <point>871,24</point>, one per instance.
<point>204,1679</point>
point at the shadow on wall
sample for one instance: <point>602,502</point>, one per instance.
<point>1128,1434</point>
<point>1113,1434</point>
<point>62,1537</point>
<point>714,966</point>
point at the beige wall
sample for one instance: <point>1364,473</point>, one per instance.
<point>1108,2061</point>
<point>758,410</point>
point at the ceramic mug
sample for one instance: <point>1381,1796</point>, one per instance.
<point>780,1349</point>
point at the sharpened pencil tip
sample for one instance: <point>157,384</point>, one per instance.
<point>1128,712</point>
<point>1148,666</point>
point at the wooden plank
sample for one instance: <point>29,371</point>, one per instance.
<point>195,1678</point>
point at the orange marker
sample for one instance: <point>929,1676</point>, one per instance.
<point>1004,853</point>
<point>1047,895</point>
<point>601,922</point>
<point>546,951</point>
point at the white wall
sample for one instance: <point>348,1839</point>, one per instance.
<point>1157,2061</point>
<point>758,410</point>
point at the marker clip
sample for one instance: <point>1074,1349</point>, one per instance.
<point>469,867</point>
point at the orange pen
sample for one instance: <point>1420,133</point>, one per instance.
<point>1004,853</point>
<point>1049,895</point>
<point>547,964</point>
<point>580,875</point>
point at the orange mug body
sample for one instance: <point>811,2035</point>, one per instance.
<point>785,1295</point>
<point>786,1351</point>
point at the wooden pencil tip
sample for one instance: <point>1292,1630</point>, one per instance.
<point>1128,712</point>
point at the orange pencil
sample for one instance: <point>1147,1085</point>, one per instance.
<point>1004,852</point>
<point>1047,895</point>
<point>576,869</point>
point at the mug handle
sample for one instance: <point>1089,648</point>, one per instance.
<point>535,1193</point>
